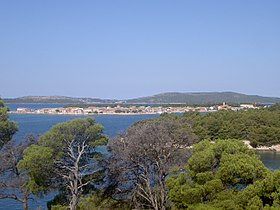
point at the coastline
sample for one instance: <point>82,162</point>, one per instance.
<point>273,148</point>
<point>115,110</point>
<point>83,114</point>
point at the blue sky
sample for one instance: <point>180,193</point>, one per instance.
<point>125,49</point>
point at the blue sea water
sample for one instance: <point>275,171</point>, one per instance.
<point>113,124</point>
<point>37,124</point>
<point>270,159</point>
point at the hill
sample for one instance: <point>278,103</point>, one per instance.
<point>57,100</point>
<point>204,98</point>
<point>163,98</point>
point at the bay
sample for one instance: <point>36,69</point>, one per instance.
<point>37,124</point>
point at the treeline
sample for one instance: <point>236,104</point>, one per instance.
<point>160,163</point>
<point>224,176</point>
<point>260,127</point>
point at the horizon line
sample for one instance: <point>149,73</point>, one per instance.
<point>180,92</point>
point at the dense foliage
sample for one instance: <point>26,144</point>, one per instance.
<point>214,174</point>
<point>275,107</point>
<point>224,176</point>
<point>13,182</point>
<point>7,128</point>
<point>260,127</point>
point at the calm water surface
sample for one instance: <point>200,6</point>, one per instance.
<point>113,124</point>
<point>39,123</point>
<point>270,159</point>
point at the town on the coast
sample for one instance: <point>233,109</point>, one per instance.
<point>132,109</point>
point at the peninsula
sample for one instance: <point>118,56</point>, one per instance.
<point>131,109</point>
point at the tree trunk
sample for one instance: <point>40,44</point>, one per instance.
<point>24,201</point>
<point>73,202</point>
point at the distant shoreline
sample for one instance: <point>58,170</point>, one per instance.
<point>115,110</point>
<point>34,113</point>
<point>129,110</point>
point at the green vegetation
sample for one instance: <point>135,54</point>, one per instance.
<point>142,157</point>
<point>64,158</point>
<point>11,179</point>
<point>13,182</point>
<point>7,128</point>
<point>260,127</point>
<point>224,175</point>
<point>275,107</point>
<point>151,165</point>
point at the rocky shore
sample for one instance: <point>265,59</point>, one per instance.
<point>274,148</point>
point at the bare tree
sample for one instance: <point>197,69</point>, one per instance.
<point>71,167</point>
<point>12,181</point>
<point>63,157</point>
<point>143,156</point>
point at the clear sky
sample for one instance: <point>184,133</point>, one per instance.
<point>126,49</point>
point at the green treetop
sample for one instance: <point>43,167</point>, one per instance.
<point>7,128</point>
<point>63,157</point>
<point>214,173</point>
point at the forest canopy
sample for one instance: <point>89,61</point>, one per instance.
<point>261,127</point>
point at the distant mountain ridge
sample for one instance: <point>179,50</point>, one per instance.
<point>163,98</point>
<point>57,100</point>
<point>205,98</point>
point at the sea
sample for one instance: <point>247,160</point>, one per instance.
<point>37,124</point>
